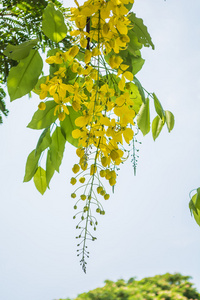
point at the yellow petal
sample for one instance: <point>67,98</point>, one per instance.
<point>82,121</point>
<point>128,135</point>
<point>88,56</point>
<point>128,75</point>
<point>73,51</point>
<point>76,133</point>
<point>121,84</point>
<point>65,109</point>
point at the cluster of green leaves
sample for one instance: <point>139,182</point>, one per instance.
<point>22,79</point>
<point>160,287</point>
<point>163,117</point>
<point>52,140</point>
<point>20,21</point>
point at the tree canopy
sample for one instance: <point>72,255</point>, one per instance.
<point>160,287</point>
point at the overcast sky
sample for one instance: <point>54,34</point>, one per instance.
<point>147,229</point>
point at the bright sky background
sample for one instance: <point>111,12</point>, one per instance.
<point>147,229</point>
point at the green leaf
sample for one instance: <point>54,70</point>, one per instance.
<point>137,64</point>
<point>57,148</point>
<point>31,166</point>
<point>20,51</point>
<point>197,201</point>
<point>43,118</point>
<point>43,142</point>
<point>134,44</point>
<point>140,88</point>
<point>128,6</point>
<point>192,207</point>
<point>143,119</point>
<point>22,78</point>
<point>68,125</point>
<point>40,180</point>
<point>158,107</point>
<point>196,212</point>
<point>194,202</point>
<point>141,31</point>
<point>49,168</point>
<point>169,120</point>
<point>197,217</point>
<point>157,126</point>
<point>53,24</point>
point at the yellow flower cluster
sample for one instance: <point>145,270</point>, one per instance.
<point>108,22</point>
<point>97,128</point>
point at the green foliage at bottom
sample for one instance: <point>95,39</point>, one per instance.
<point>162,287</point>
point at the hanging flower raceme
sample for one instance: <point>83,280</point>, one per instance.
<point>106,107</point>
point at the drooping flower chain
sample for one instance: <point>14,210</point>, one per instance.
<point>101,93</point>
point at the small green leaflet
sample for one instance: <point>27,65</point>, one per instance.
<point>197,202</point>
<point>22,78</point>
<point>57,148</point>
<point>158,107</point>
<point>20,51</point>
<point>194,209</point>
<point>44,118</point>
<point>157,126</point>
<point>53,24</point>
<point>49,169</point>
<point>169,120</point>
<point>141,31</point>
<point>143,118</point>
<point>31,166</point>
<point>40,180</point>
<point>140,88</point>
<point>137,64</point>
<point>43,142</point>
<point>68,125</point>
<point>128,6</point>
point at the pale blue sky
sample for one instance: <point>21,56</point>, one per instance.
<point>147,229</point>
